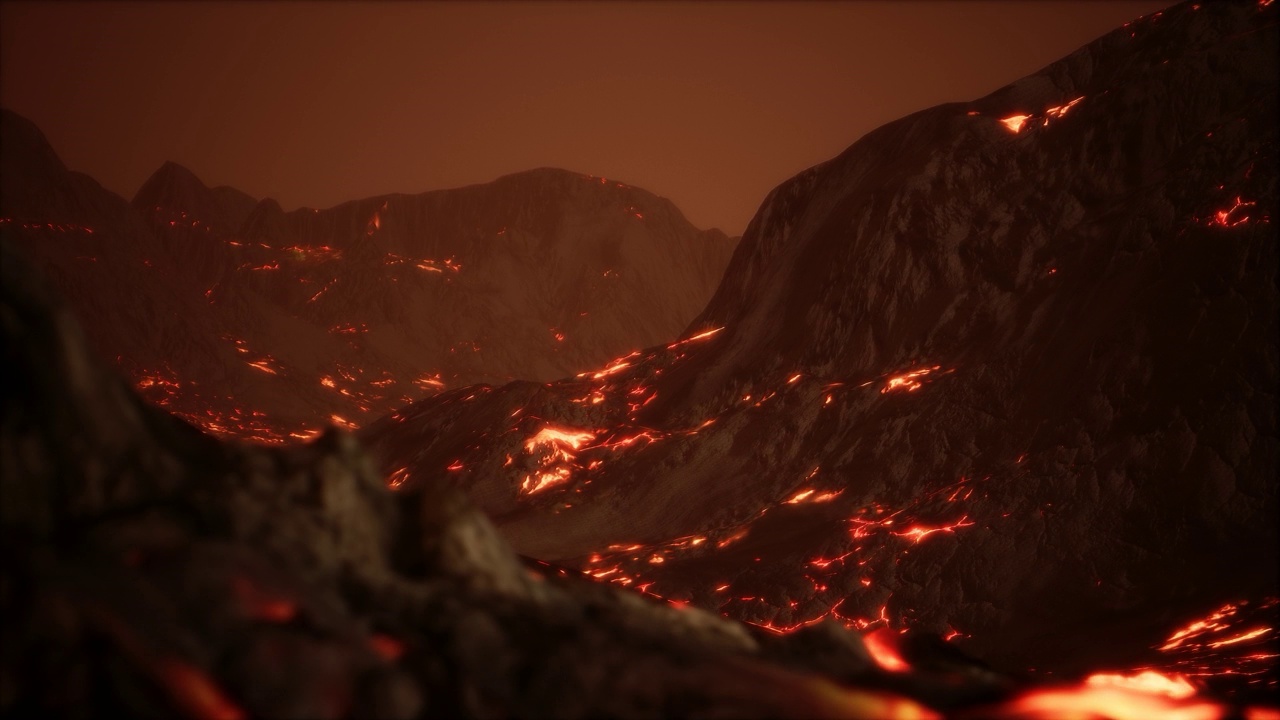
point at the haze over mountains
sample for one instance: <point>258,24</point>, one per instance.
<point>256,322</point>
<point>999,379</point>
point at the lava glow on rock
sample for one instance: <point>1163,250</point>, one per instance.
<point>1015,123</point>
<point>839,472</point>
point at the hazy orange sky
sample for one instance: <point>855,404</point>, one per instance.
<point>711,105</point>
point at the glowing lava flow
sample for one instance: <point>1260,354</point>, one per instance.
<point>918,533</point>
<point>559,439</point>
<point>694,338</point>
<point>1015,123</point>
<point>907,381</point>
<point>56,227</point>
<point>1060,110</point>
<point>1193,634</point>
<point>1233,215</point>
<point>1238,639</point>
<point>398,477</point>
<point>882,645</point>
<point>559,449</point>
<point>1102,701</point>
<point>1147,681</point>
<point>812,496</point>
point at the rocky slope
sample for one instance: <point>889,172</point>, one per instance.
<point>152,571</point>
<point>1003,371</point>
<point>277,323</point>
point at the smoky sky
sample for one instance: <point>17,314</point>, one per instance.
<point>708,104</point>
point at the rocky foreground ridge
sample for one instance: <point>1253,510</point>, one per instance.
<point>150,570</point>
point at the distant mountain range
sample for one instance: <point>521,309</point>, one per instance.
<point>256,323</point>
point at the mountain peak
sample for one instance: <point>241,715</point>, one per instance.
<point>30,161</point>
<point>172,185</point>
<point>174,190</point>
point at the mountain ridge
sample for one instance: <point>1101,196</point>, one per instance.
<point>314,314</point>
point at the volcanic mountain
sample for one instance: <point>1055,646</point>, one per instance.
<point>256,323</point>
<point>1003,370</point>
<point>1002,373</point>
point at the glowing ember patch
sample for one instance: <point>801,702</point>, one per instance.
<point>559,446</point>
<point>398,477</point>
<point>732,538</point>
<point>1105,702</point>
<point>1234,215</point>
<point>1060,110</point>
<point>386,647</point>
<point>342,422</point>
<point>704,334</point>
<point>197,693</point>
<point>1148,681</point>
<point>262,606</point>
<point>918,533</point>
<point>1200,627</point>
<point>825,563</point>
<point>616,367</point>
<point>555,436</point>
<point>1014,122</point>
<point>322,291</point>
<point>263,366</point>
<point>907,381</point>
<point>799,497</point>
<point>432,381</point>
<point>539,481</point>
<point>882,645</point>
<point>1255,633</point>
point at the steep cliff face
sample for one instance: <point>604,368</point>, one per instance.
<point>1005,369</point>
<point>278,323</point>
